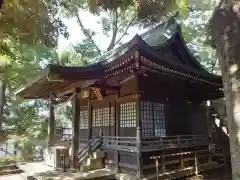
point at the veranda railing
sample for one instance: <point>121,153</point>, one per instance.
<point>146,144</point>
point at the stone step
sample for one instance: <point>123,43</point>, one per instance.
<point>98,154</point>
<point>92,164</point>
<point>85,168</point>
<point>95,163</point>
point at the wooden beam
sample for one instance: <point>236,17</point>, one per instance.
<point>63,93</point>
<point>106,87</point>
<point>72,86</point>
<point>51,121</point>
<point>75,126</point>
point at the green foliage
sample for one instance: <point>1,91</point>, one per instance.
<point>31,22</point>
<point>86,49</point>
<point>24,119</point>
<point>194,29</point>
<point>29,29</point>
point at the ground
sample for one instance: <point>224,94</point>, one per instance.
<point>13,177</point>
<point>217,174</point>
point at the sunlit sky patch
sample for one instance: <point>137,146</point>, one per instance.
<point>90,21</point>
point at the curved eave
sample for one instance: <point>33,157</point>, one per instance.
<point>54,77</point>
<point>189,54</point>
<point>192,66</point>
<point>173,66</point>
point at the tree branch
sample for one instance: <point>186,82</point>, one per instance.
<point>126,30</point>
<point>114,29</point>
<point>85,32</point>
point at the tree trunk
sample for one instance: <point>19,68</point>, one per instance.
<point>2,100</point>
<point>226,33</point>
<point>232,100</point>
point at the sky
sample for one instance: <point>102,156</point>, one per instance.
<point>89,21</point>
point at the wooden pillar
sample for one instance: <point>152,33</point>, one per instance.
<point>117,128</point>
<point>181,159</point>
<point>110,119</point>
<point>196,163</point>
<point>138,102</point>
<point>208,120</point>
<point>89,115</point>
<point>163,169</point>
<point>139,154</point>
<point>139,126</point>
<point>157,171</point>
<point>75,126</point>
<point>51,121</point>
<point>225,158</point>
<point>89,120</point>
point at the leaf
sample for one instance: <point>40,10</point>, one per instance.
<point>183,8</point>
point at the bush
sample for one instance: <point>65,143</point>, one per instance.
<point>7,160</point>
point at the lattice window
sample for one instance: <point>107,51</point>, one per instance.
<point>101,117</point>
<point>159,119</point>
<point>153,119</point>
<point>112,116</point>
<point>97,117</point>
<point>83,124</point>
<point>94,118</point>
<point>128,114</point>
<point>105,117</point>
<point>147,119</point>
